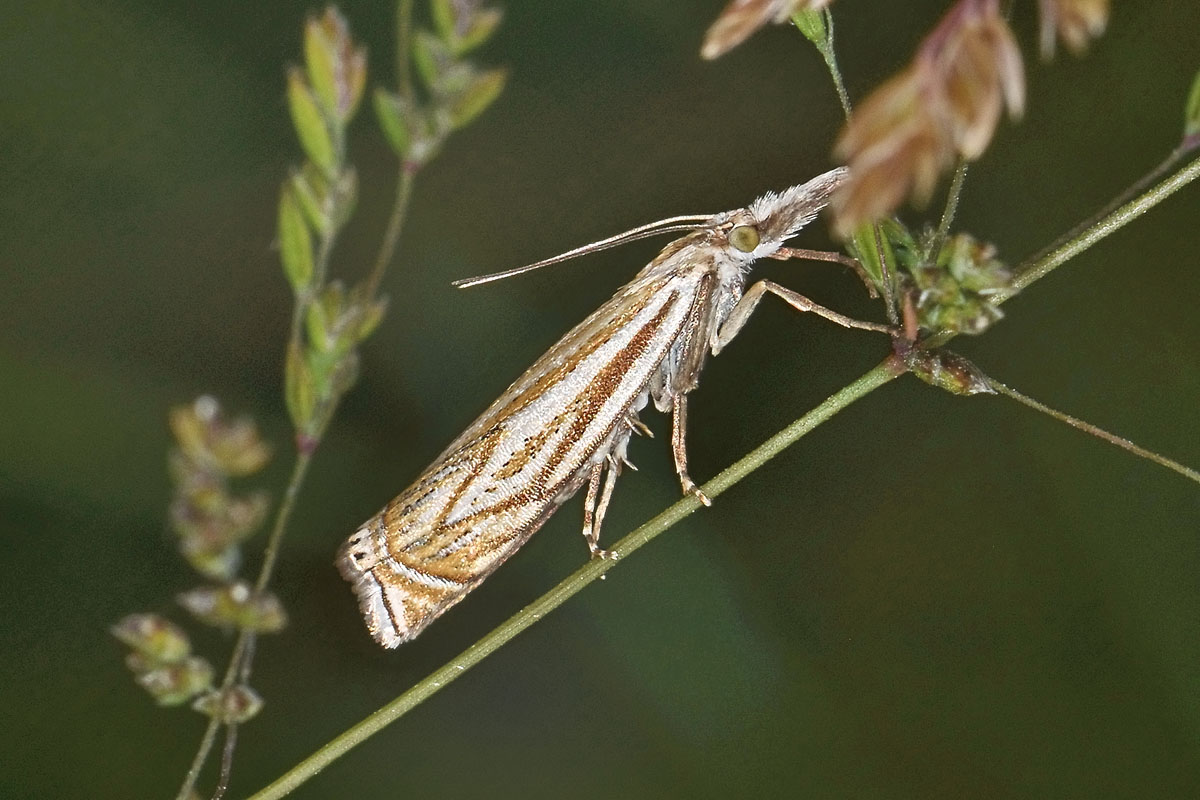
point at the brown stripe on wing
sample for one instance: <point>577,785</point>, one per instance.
<point>580,414</point>
<point>561,359</point>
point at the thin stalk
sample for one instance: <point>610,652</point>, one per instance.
<point>953,195</point>
<point>214,724</point>
<point>1099,433</point>
<point>889,369</point>
<point>408,172</point>
<point>239,662</point>
<point>271,554</point>
<point>1044,263</point>
<point>403,61</point>
<point>226,761</point>
<point>827,52</point>
<point>391,236</point>
<point>1186,148</point>
<point>575,582</point>
<point>889,284</point>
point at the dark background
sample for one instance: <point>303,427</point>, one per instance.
<point>928,597</point>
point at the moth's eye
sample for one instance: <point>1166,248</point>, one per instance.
<point>744,238</point>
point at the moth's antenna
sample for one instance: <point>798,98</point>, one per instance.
<point>687,222</point>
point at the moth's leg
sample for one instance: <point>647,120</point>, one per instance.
<point>637,426</point>
<point>593,511</point>
<point>745,307</point>
<point>786,253</point>
<point>590,529</point>
<point>610,483</point>
<point>679,447</point>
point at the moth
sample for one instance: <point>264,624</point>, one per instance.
<point>565,424</point>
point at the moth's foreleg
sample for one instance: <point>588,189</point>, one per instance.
<point>679,448</point>
<point>745,307</point>
<point>787,253</point>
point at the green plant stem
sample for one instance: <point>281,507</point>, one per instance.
<point>953,195</point>
<point>1180,153</point>
<point>391,236</point>
<point>271,554</point>
<point>571,585</point>
<point>241,659</point>
<point>214,723</point>
<point>403,63</point>
<point>829,55</point>
<point>408,173</point>
<point>1033,271</point>
<point>238,663</point>
<point>1042,264</point>
<point>1099,433</point>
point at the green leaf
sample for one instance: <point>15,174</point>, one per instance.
<point>432,59</point>
<point>356,82</point>
<point>316,323</point>
<point>812,25</point>
<point>319,58</point>
<point>311,189</point>
<point>298,387</point>
<point>295,241</point>
<point>309,123</point>
<point>477,96</point>
<point>443,19</point>
<point>483,25</point>
<point>862,242</point>
<point>1191,114</point>
<point>395,117</point>
<point>345,196</point>
<point>345,373</point>
<point>371,317</point>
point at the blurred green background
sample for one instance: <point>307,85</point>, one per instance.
<point>928,597</point>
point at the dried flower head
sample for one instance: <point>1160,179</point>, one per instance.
<point>155,639</point>
<point>211,524</point>
<point>236,705</point>
<point>1076,22</point>
<point>741,18</point>
<point>208,518</point>
<point>161,659</point>
<point>212,441</point>
<point>944,105</point>
<point>235,606</point>
<point>175,684</point>
<point>948,370</point>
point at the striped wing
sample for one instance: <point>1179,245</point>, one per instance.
<point>507,473</point>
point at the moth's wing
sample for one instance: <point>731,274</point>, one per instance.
<point>412,560</point>
<point>590,335</point>
<point>498,482</point>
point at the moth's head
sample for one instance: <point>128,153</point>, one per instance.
<point>761,228</point>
